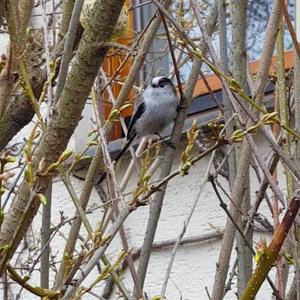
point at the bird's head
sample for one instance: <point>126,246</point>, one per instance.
<point>161,82</point>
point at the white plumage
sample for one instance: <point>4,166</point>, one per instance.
<point>159,104</point>
<point>155,109</point>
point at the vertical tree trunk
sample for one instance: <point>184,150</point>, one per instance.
<point>243,165</point>
<point>2,10</point>
<point>297,152</point>
<point>239,70</point>
<point>281,106</point>
<point>45,237</point>
<point>156,203</point>
<point>228,111</point>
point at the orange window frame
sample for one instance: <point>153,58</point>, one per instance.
<point>112,62</point>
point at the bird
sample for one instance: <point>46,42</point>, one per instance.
<point>155,109</point>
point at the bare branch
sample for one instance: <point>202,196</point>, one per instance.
<point>65,119</point>
<point>156,204</point>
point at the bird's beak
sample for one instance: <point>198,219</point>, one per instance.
<point>153,85</point>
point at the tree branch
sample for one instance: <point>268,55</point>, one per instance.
<point>66,116</point>
<point>93,172</point>
<point>166,166</point>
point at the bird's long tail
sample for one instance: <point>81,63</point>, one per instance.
<point>124,149</point>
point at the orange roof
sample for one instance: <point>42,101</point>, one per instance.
<point>201,89</point>
<point>215,83</point>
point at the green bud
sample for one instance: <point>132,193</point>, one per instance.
<point>65,155</point>
<point>52,167</point>
<point>42,198</point>
<point>10,159</point>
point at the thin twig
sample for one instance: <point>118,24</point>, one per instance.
<point>89,229</point>
<point>116,190</point>
<point>273,184</point>
<point>290,26</point>
<point>224,207</point>
<point>176,70</point>
<point>68,48</point>
<point>185,226</point>
<point>148,36</point>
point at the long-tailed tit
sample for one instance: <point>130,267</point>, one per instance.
<point>155,109</point>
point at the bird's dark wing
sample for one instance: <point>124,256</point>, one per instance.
<point>123,150</point>
<point>140,109</point>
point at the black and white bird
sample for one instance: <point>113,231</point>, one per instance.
<point>155,109</point>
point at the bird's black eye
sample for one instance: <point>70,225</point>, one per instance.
<point>161,84</point>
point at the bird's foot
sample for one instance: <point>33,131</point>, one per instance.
<point>168,143</point>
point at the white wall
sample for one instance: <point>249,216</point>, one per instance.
<point>194,266</point>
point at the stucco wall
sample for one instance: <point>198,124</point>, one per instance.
<point>194,265</point>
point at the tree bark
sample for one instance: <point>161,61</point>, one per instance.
<point>239,70</point>
<point>156,203</point>
<point>97,161</point>
<point>19,111</point>
<point>237,192</point>
<point>45,237</point>
<point>296,154</point>
<point>18,15</point>
<point>65,118</point>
